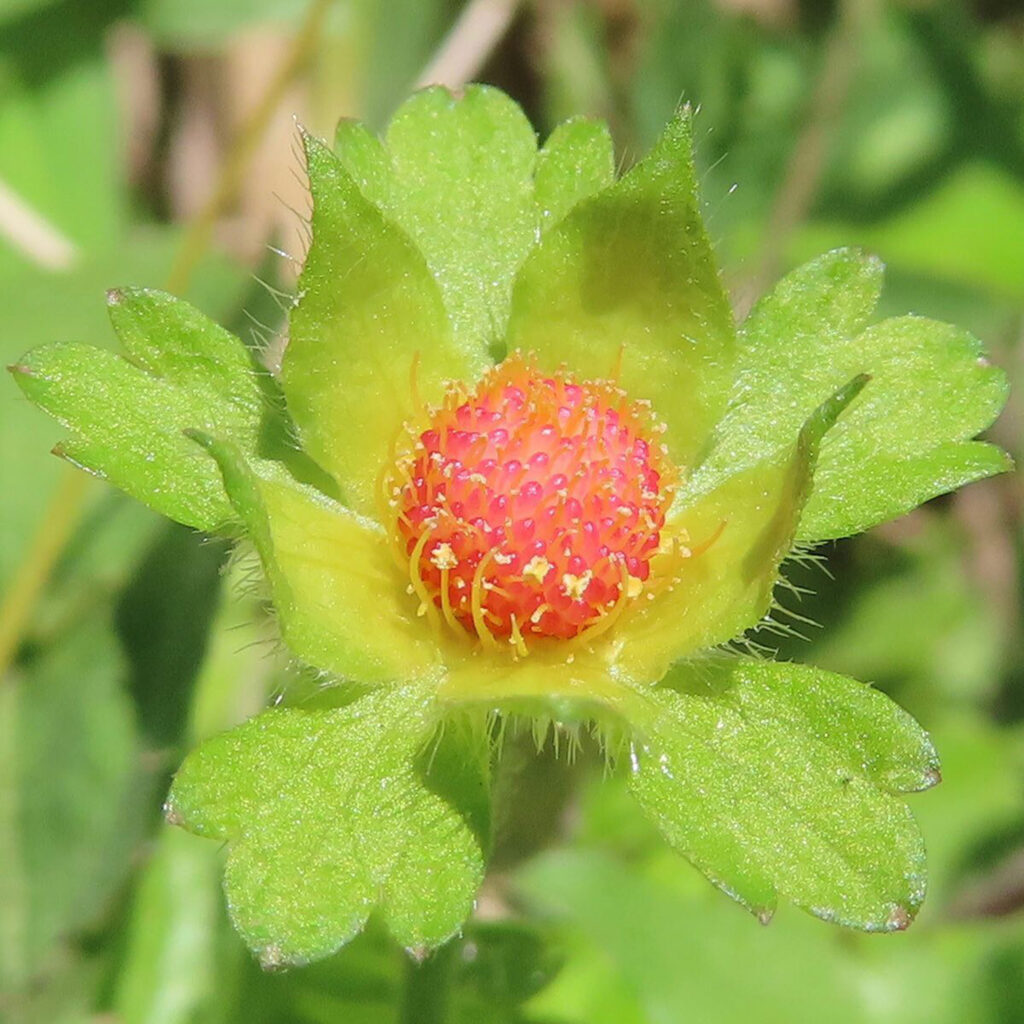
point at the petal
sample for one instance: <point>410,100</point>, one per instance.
<point>748,524</point>
<point>368,335</point>
<point>366,161</point>
<point>339,597</point>
<point>626,286</point>
<point>461,175</point>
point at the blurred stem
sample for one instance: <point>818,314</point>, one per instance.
<point>469,44</point>
<point>809,158</point>
<point>427,983</point>
<point>197,237</point>
<point>65,506</point>
<point>58,523</point>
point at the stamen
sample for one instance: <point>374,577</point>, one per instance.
<point>477,603</point>
<point>426,601</point>
<point>602,623</point>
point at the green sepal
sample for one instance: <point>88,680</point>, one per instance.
<point>576,162</point>
<point>778,779</point>
<point>626,287</point>
<point>331,814</point>
<point>740,533</point>
<point>126,414</point>
<point>909,440</point>
<point>340,599</point>
<point>369,339</point>
<point>463,190</point>
<point>462,177</point>
<point>366,161</point>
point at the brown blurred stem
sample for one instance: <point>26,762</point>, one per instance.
<point>469,44</point>
<point>197,236</point>
<point>807,162</point>
<point>65,506</point>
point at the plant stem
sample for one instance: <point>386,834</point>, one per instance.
<point>471,41</point>
<point>426,990</point>
<point>807,163</point>
<point>58,522</point>
<point>197,237</point>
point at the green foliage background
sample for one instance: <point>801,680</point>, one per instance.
<point>896,126</point>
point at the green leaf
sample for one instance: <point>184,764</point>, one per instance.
<point>677,953</point>
<point>329,814</point>
<point>463,178</point>
<point>369,339</point>
<point>906,441</point>
<point>169,973</point>
<point>778,779</point>
<point>69,794</point>
<point>340,599</point>
<point>739,534</point>
<point>127,417</point>
<point>34,318</point>
<point>909,440</point>
<point>172,339</point>
<point>626,287</point>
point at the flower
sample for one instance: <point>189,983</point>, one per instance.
<point>516,528</point>
<point>536,467</point>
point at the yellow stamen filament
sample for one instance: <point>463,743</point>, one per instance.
<point>446,601</point>
<point>617,367</point>
<point>602,623</point>
<point>516,639</point>
<point>426,601</point>
<point>701,548</point>
<point>528,466</point>
<point>477,603</point>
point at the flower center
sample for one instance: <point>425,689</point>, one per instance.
<point>532,507</point>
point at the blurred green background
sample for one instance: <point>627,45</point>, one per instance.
<point>153,142</point>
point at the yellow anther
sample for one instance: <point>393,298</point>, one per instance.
<point>538,568</point>
<point>444,557</point>
<point>574,587</point>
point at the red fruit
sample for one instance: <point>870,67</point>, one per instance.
<point>533,506</point>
